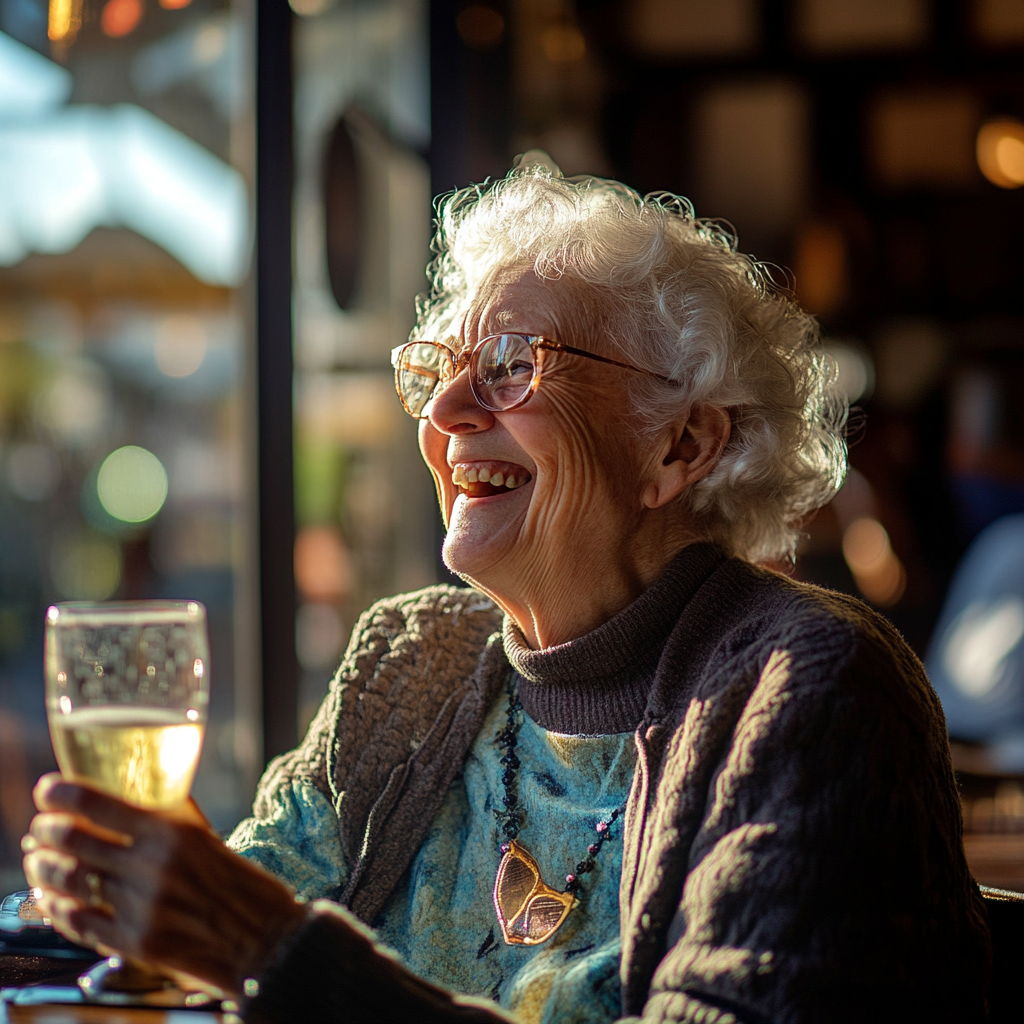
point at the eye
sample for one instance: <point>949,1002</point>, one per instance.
<point>520,366</point>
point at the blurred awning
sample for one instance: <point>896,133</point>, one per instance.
<point>66,170</point>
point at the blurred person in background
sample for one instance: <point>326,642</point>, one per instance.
<point>976,656</point>
<point>629,774</point>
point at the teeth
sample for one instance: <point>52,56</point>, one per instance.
<point>462,477</point>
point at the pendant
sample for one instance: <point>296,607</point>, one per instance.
<point>529,911</point>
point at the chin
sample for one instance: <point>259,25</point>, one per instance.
<point>474,549</point>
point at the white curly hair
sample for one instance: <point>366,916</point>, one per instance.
<point>672,294</point>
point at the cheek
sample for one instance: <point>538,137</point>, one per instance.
<point>587,469</point>
<point>434,449</point>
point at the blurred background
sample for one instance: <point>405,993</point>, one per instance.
<point>214,217</point>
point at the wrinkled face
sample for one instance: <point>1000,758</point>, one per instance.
<point>553,486</point>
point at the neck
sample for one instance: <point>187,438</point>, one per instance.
<point>584,590</point>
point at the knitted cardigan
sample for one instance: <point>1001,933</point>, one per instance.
<point>792,846</point>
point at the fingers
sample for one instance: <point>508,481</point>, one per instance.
<point>74,835</point>
<point>81,923</point>
<point>54,793</point>
<point>58,873</point>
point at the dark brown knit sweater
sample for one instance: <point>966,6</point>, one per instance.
<point>792,842</point>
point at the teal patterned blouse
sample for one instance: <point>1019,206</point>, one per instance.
<point>441,920</point>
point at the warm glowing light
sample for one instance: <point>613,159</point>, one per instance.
<point>119,17</point>
<point>132,484</point>
<point>323,566</point>
<point>821,267</point>
<point>198,668</point>
<point>174,5</point>
<point>64,20</point>
<point>480,27</point>
<point>865,545</point>
<point>178,750</point>
<point>180,345</point>
<point>563,44</point>
<point>1000,151</point>
<point>879,574</point>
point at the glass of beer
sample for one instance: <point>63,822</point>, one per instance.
<point>127,692</point>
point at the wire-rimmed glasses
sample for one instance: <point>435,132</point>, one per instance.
<point>504,370</point>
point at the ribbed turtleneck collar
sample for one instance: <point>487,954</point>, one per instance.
<point>599,682</point>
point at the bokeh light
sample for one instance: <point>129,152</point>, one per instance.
<point>307,8</point>
<point>64,20</point>
<point>120,17</point>
<point>132,484</point>
<point>85,566</point>
<point>878,573</point>
<point>856,369</point>
<point>480,27</point>
<point>821,267</point>
<point>33,471</point>
<point>75,405</point>
<point>180,345</point>
<point>1000,151</point>
<point>978,644</point>
<point>323,565</point>
<point>174,5</point>
<point>563,44</point>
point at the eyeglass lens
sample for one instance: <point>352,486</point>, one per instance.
<point>418,371</point>
<point>501,372</point>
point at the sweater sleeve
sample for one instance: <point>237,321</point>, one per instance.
<point>827,879</point>
<point>333,971</point>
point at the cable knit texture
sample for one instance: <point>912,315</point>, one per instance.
<point>792,849</point>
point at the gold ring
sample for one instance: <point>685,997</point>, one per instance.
<point>95,884</point>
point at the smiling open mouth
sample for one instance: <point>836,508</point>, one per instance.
<point>484,479</point>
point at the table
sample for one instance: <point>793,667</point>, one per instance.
<point>26,970</point>
<point>105,1015</point>
<point>993,807</point>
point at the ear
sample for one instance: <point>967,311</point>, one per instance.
<point>688,454</point>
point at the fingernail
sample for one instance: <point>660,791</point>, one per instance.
<point>29,844</point>
<point>37,893</point>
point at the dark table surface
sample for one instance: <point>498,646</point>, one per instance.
<point>19,970</point>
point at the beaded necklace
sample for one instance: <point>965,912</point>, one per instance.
<point>529,911</point>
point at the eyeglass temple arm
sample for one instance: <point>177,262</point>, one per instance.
<point>559,347</point>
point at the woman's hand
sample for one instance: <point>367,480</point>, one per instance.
<point>157,886</point>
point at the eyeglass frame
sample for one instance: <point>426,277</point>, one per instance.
<point>537,343</point>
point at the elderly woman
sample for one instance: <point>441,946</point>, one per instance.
<point>632,773</point>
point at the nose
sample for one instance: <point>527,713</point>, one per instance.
<point>454,410</point>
